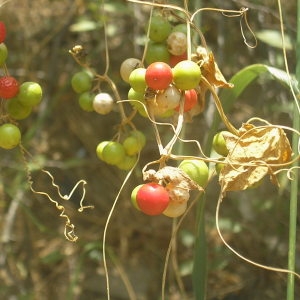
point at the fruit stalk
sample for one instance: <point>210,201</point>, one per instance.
<point>224,118</point>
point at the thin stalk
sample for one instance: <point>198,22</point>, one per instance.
<point>199,275</point>
<point>294,183</point>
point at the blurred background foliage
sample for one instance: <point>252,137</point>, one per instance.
<point>36,262</point>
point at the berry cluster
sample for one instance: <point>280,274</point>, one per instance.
<point>167,192</point>
<point>100,102</point>
<point>168,85</point>
<point>123,155</point>
<point>169,78</point>
<point>17,100</point>
<point>120,154</point>
<point>166,82</point>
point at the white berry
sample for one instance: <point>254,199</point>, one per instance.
<point>168,99</point>
<point>103,103</point>
<point>127,66</point>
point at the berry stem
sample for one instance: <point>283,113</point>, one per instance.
<point>169,146</point>
<point>224,118</point>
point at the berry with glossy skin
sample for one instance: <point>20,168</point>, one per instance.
<point>177,43</point>
<point>158,76</point>
<point>175,209</point>
<point>103,103</point>
<point>139,96</point>
<point>16,110</point>
<point>81,82</point>
<point>157,52</point>
<point>10,136</point>
<point>113,153</point>
<point>168,99</point>
<point>127,163</point>
<point>196,169</point>
<point>135,142</point>
<point>219,144</point>
<point>30,93</point>
<point>132,145</point>
<point>140,136</point>
<point>160,28</point>
<point>127,66</point>
<point>85,101</point>
<point>180,28</point>
<point>3,54</point>
<point>133,196</point>
<point>99,149</point>
<point>152,199</point>
<point>175,59</point>
<point>9,87</point>
<point>219,166</point>
<point>190,100</point>
<point>137,79</point>
<point>2,32</point>
<point>186,75</point>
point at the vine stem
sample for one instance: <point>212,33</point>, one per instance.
<point>295,146</point>
<point>224,118</point>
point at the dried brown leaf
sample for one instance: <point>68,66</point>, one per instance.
<point>256,152</point>
<point>210,69</point>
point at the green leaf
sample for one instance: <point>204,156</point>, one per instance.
<point>273,38</point>
<point>244,77</point>
<point>84,25</point>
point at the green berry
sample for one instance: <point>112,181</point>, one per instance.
<point>127,163</point>
<point>85,101</point>
<point>3,54</point>
<point>99,149</point>
<point>113,153</point>
<point>17,110</point>
<point>186,75</point>
<point>160,28</point>
<point>30,94</point>
<point>196,169</point>
<point>219,144</point>
<point>81,82</point>
<point>137,79</point>
<point>10,136</point>
<point>132,145</point>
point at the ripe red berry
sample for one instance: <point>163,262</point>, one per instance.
<point>2,32</point>
<point>158,76</point>
<point>190,100</point>
<point>9,87</point>
<point>152,198</point>
<point>175,59</point>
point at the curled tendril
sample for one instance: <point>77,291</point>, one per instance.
<point>69,230</point>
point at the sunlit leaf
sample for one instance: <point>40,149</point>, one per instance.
<point>274,39</point>
<point>84,25</point>
<point>253,154</point>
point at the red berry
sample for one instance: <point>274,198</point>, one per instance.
<point>190,100</point>
<point>2,32</point>
<point>152,198</point>
<point>175,59</point>
<point>158,75</point>
<point>9,87</point>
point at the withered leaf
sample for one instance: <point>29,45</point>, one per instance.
<point>254,153</point>
<point>171,175</point>
<point>210,69</point>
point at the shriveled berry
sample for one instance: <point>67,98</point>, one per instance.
<point>177,43</point>
<point>9,87</point>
